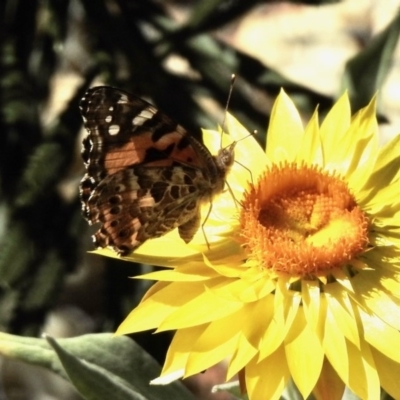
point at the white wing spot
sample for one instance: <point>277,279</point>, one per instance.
<point>143,116</point>
<point>108,119</point>
<point>123,99</point>
<point>113,129</point>
<point>111,108</point>
<point>138,120</point>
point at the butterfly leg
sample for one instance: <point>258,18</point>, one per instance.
<point>236,201</point>
<point>247,169</point>
<point>204,222</point>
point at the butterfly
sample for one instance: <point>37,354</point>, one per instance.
<point>145,174</point>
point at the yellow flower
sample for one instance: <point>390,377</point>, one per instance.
<point>301,279</point>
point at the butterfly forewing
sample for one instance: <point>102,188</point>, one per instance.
<point>146,175</point>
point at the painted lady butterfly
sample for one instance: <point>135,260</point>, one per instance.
<point>146,175</point>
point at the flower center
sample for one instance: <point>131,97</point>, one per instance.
<point>302,221</point>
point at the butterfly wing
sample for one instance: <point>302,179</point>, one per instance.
<point>137,204</point>
<point>145,174</point>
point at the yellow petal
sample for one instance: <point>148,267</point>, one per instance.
<point>383,305</point>
<point>252,331</point>
<point>244,290</point>
<point>363,378</point>
<point>200,309</point>
<point>167,379</point>
<point>310,150</point>
<point>386,166</point>
<point>280,312</point>
<point>329,385</point>
<point>341,276</point>
<point>179,349</point>
<point>268,378</point>
<point>334,344</point>
<point>193,272</point>
<point>362,152</point>
<point>381,336</point>
<point>383,203</point>
<point>272,338</point>
<point>230,270</point>
<point>304,355</point>
<point>390,280</point>
<point>163,251</point>
<point>285,131</point>
<point>242,356</point>
<point>336,299</point>
<point>389,372</point>
<point>210,350</point>
<point>333,131</point>
<point>154,309</point>
<point>311,306</point>
<point>222,250</point>
<point>226,338</point>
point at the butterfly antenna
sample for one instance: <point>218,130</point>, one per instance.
<point>233,78</point>
<point>254,133</point>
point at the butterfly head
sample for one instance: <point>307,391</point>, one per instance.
<point>226,157</point>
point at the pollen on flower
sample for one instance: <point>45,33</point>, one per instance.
<point>302,221</point>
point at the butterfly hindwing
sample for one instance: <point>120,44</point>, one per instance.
<point>146,175</point>
<point>136,204</point>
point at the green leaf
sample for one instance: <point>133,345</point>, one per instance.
<point>366,72</point>
<point>100,366</point>
<point>91,381</point>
